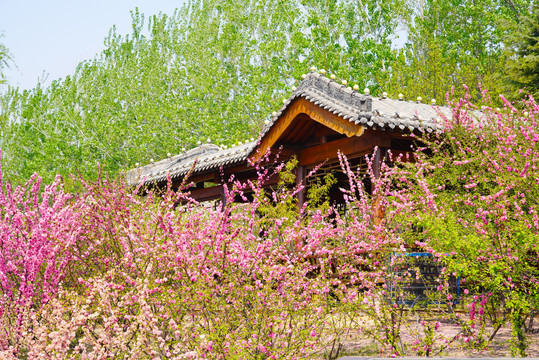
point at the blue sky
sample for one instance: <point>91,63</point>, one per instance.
<point>52,36</point>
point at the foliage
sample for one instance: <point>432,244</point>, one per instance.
<point>523,66</point>
<point>5,60</point>
<point>217,69</point>
<point>164,276</point>
<point>213,69</point>
<point>38,228</point>
<point>113,274</point>
<point>481,185</point>
<point>451,43</point>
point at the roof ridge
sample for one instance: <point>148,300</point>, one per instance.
<point>337,98</point>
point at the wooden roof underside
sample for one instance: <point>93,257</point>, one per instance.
<point>302,122</point>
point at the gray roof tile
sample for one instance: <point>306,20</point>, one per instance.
<point>207,157</point>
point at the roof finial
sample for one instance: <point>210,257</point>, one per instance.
<point>384,95</point>
<point>151,160</point>
<point>137,164</point>
<point>313,68</point>
<point>356,87</point>
<point>199,142</point>
<point>401,97</point>
<point>183,149</point>
<point>169,154</point>
<point>333,77</point>
<point>367,91</point>
<point>303,76</point>
<point>433,101</point>
<point>208,141</point>
<point>294,88</point>
<point>274,113</point>
<point>322,71</point>
<point>419,99</point>
<point>344,82</point>
<point>284,101</point>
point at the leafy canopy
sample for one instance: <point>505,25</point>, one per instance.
<point>217,69</point>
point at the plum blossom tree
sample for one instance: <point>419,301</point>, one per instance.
<point>482,217</point>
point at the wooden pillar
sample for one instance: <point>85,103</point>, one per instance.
<point>378,208</point>
<point>223,196</point>
<point>300,179</point>
<point>218,179</point>
<point>379,158</point>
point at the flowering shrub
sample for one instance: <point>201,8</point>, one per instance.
<point>482,182</point>
<point>38,228</point>
<point>164,277</point>
<point>106,273</point>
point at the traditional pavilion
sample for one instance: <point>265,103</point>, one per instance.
<point>319,119</point>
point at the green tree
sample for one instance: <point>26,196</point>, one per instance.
<point>523,66</point>
<point>213,69</point>
<point>451,43</point>
<point>217,68</point>
<point>5,60</point>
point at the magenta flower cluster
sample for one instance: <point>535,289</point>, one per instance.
<point>105,273</point>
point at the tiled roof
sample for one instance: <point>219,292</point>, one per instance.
<point>381,113</point>
<point>399,115</point>
<point>205,158</point>
<point>375,113</point>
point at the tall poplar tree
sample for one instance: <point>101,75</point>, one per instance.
<point>214,69</point>
<point>5,60</point>
<point>523,66</point>
<point>451,43</point>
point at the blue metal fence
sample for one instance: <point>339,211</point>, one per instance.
<point>417,288</point>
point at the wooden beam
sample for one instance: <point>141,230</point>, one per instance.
<point>377,164</point>
<point>217,192</point>
<point>206,194</point>
<point>217,179</point>
<point>210,176</point>
<point>348,146</point>
<point>316,113</point>
<point>405,156</point>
